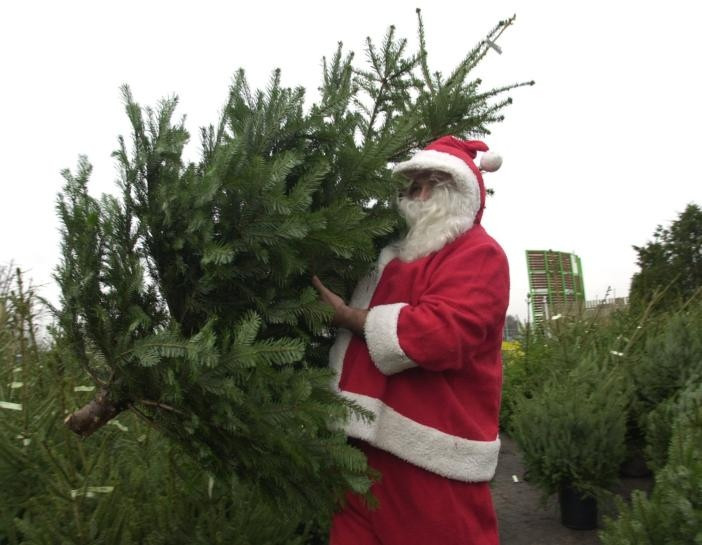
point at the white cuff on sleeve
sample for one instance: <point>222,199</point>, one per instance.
<point>381,336</point>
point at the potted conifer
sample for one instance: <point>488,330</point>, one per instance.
<point>571,434</point>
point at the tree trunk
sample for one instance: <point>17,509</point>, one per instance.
<point>94,415</point>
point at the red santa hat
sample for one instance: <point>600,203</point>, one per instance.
<point>456,157</point>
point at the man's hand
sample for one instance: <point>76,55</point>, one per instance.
<point>329,297</point>
<point>353,319</point>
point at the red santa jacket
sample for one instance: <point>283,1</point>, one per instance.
<point>430,368</point>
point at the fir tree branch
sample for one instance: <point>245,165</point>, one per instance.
<point>95,377</point>
<point>657,296</point>
<point>376,108</point>
<point>423,53</point>
<point>160,406</point>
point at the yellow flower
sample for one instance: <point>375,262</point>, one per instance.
<point>512,348</point>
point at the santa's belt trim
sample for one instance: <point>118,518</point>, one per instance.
<point>436,451</point>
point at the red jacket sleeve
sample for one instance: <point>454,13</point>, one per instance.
<point>461,314</point>
<point>457,319</point>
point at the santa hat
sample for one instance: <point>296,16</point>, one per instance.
<point>456,157</point>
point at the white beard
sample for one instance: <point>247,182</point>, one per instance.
<point>435,222</point>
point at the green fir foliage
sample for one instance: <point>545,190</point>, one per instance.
<point>572,431</point>
<point>670,359</point>
<point>672,514</point>
<point>550,351</point>
<point>594,389</point>
<point>188,298</point>
<point>128,484</point>
<point>659,423</point>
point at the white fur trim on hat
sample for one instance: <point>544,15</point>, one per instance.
<point>382,340</point>
<point>490,161</point>
<point>434,450</point>
<point>461,173</point>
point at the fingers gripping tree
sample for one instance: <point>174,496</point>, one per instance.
<point>188,298</point>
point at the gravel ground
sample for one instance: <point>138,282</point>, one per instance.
<point>524,520</point>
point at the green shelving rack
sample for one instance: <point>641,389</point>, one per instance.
<point>555,284</point>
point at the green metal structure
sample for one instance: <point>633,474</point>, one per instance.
<point>555,284</point>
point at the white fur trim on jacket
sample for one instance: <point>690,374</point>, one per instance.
<point>382,340</point>
<point>464,177</point>
<point>436,451</point>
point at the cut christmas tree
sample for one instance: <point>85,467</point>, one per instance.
<point>188,298</point>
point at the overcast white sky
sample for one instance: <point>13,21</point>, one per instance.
<point>596,154</point>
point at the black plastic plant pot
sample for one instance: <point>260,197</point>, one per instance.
<point>577,512</point>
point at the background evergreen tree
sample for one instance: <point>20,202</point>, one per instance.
<point>671,261</point>
<point>187,298</point>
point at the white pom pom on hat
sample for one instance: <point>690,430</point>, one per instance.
<point>490,161</point>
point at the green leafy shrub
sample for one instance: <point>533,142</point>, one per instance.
<point>659,422</point>
<point>670,358</point>
<point>665,358</point>
<point>514,375</point>
<point>572,431</point>
<point>554,349</point>
<point>526,368</point>
<point>672,515</point>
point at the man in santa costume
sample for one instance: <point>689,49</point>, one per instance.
<point>419,346</point>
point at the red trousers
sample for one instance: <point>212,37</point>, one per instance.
<point>416,507</point>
